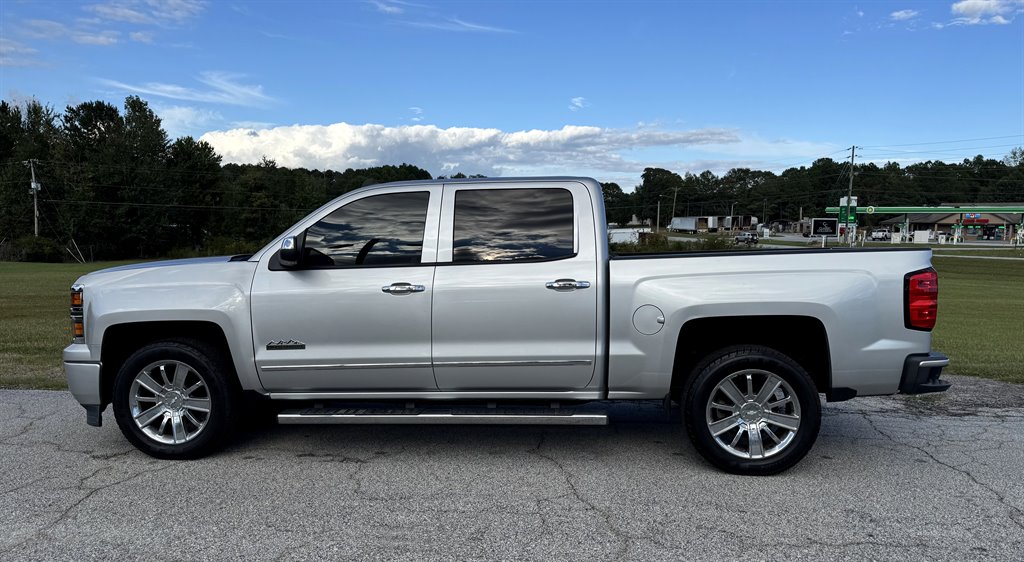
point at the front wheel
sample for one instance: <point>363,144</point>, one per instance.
<point>175,400</point>
<point>751,410</point>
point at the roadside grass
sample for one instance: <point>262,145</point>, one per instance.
<point>35,324</point>
<point>998,253</point>
<point>980,326</point>
<point>981,317</point>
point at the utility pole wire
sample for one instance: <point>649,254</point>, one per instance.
<point>849,196</point>
<point>34,187</point>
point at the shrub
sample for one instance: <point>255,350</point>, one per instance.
<point>35,248</point>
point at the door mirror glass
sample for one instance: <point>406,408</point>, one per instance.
<point>290,253</point>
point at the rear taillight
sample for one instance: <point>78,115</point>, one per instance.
<point>921,298</point>
<point>77,315</point>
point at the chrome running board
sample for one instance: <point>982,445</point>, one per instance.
<point>440,416</point>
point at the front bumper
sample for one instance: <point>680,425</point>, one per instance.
<point>84,384</point>
<point>921,374</point>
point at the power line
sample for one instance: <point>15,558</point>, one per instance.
<point>1021,136</point>
<point>944,151</point>
<point>178,206</point>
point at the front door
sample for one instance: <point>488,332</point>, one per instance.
<point>355,314</point>
<point>515,292</point>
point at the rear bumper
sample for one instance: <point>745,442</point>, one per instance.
<point>921,374</point>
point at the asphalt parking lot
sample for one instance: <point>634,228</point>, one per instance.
<point>936,478</point>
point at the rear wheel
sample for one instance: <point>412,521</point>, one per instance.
<point>751,410</point>
<point>175,400</point>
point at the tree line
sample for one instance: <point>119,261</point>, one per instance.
<point>117,185</point>
<point>807,190</point>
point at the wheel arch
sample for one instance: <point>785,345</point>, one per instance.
<point>802,338</point>
<point>120,341</point>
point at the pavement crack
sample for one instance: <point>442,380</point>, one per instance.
<point>1016,514</point>
<point>90,492</point>
<point>568,476</point>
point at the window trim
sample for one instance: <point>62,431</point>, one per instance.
<point>430,224</point>
<point>456,189</point>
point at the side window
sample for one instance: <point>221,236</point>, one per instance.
<point>512,225</point>
<point>376,230</point>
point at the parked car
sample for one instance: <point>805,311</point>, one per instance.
<point>881,234</point>
<point>495,301</point>
<point>748,238</point>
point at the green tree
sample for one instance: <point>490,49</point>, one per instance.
<point>193,171</point>
<point>618,206</point>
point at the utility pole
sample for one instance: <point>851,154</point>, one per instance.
<point>35,194</point>
<point>849,196</point>
<point>675,191</point>
<point>657,217</point>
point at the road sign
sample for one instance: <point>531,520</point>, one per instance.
<point>824,227</point>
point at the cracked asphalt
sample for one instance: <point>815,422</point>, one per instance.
<point>936,477</point>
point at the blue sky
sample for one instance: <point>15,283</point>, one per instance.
<point>510,88</point>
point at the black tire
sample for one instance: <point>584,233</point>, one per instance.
<point>219,392</point>
<point>706,402</point>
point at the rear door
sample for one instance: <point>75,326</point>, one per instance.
<point>515,291</point>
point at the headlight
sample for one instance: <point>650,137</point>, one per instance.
<point>77,315</point>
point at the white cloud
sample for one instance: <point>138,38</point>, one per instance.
<point>387,8</point>
<point>102,38</point>
<point>903,15</point>
<point>571,149</point>
<point>175,10</point>
<point>13,53</point>
<point>141,36</point>
<point>979,12</point>
<point>455,24</point>
<point>224,88</point>
<point>157,12</point>
<point>119,12</point>
<point>576,104</point>
<point>252,124</point>
<point>44,29</point>
<point>181,120</point>
<point>416,110</point>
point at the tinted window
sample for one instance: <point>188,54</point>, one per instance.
<point>376,230</point>
<point>512,225</point>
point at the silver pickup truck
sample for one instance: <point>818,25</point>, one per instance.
<point>496,301</point>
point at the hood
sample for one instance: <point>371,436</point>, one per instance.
<point>170,271</point>
<point>164,263</point>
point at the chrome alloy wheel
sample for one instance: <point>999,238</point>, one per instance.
<point>756,422</point>
<point>170,402</point>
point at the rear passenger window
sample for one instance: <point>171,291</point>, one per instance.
<point>495,225</point>
<point>376,230</point>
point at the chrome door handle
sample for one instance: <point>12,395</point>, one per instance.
<point>402,288</point>
<point>567,285</point>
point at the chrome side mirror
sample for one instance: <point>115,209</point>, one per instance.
<point>290,253</point>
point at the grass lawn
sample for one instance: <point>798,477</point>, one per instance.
<point>34,323</point>
<point>980,327</point>
<point>981,317</point>
<point>1000,253</point>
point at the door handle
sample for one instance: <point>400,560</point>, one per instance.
<point>567,285</point>
<point>402,288</point>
